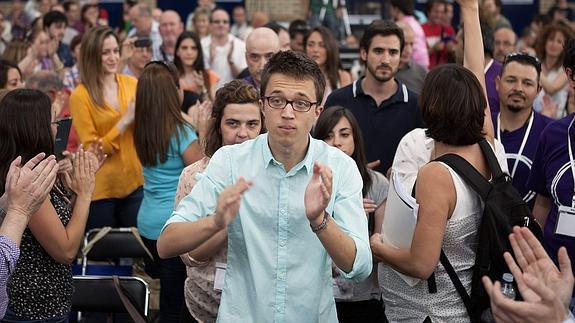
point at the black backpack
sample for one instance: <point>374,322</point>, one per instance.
<point>504,208</point>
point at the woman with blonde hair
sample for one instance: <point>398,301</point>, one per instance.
<point>102,108</point>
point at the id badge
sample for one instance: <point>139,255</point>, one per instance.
<point>566,221</point>
<point>220,276</point>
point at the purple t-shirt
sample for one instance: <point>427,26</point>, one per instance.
<point>490,76</point>
<point>551,164</point>
<point>512,140</point>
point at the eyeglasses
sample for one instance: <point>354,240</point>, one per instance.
<point>278,102</point>
<point>225,22</point>
<point>522,57</point>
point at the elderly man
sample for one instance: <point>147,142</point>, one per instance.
<point>504,40</point>
<point>410,73</point>
<point>171,27</point>
<point>141,17</point>
<point>223,52</point>
<point>278,197</point>
<point>261,44</point>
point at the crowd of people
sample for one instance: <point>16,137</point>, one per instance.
<point>257,169</point>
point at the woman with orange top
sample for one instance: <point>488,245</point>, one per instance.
<point>102,108</point>
<point>189,60</point>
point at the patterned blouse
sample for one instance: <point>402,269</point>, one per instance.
<point>202,299</point>
<point>41,288</point>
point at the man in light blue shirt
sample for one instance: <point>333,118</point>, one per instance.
<point>291,206</point>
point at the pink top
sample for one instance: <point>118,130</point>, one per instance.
<point>420,54</point>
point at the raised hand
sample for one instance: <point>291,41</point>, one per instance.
<point>548,309</point>
<point>82,180</point>
<point>318,193</point>
<point>533,259</point>
<point>96,150</point>
<point>65,164</point>
<point>229,203</point>
<point>28,186</point>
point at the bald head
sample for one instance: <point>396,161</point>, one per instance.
<point>504,40</point>
<point>409,37</point>
<point>170,27</point>
<point>261,44</point>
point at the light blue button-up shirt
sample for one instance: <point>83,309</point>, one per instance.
<point>278,270</point>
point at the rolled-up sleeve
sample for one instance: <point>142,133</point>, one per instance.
<point>203,198</point>
<point>349,214</point>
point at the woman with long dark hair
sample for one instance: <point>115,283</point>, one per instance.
<point>321,46</point>
<point>189,59</point>
<point>41,287</point>
<point>165,144</point>
<point>338,127</point>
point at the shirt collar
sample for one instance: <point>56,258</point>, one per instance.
<point>307,161</point>
<point>400,95</point>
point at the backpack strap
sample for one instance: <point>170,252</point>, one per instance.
<point>456,282</point>
<point>471,176</point>
<point>491,158</point>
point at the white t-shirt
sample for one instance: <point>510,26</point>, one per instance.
<point>414,151</point>
<point>220,64</point>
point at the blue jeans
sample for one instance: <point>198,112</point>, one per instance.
<point>116,213</point>
<point>11,317</point>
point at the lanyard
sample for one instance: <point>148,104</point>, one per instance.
<point>571,161</point>
<point>523,142</point>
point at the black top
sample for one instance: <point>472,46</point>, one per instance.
<point>40,287</point>
<point>382,126</point>
<point>190,98</point>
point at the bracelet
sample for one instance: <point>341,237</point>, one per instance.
<point>322,225</point>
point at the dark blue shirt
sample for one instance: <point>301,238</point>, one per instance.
<point>512,140</point>
<point>382,126</point>
<point>65,55</point>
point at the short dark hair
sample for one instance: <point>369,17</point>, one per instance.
<point>5,66</point>
<point>298,26</point>
<point>54,17</point>
<point>234,92</point>
<point>430,3</point>
<point>67,4</point>
<point>453,105</point>
<point>407,7</point>
<point>296,65</point>
<point>76,40</point>
<point>569,54</point>
<point>523,59</point>
<point>325,124</point>
<point>275,27</point>
<point>25,128</point>
<point>381,28</point>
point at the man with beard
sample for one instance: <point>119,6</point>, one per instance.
<point>517,125</point>
<point>385,109</point>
